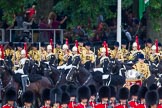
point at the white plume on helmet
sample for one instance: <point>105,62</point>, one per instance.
<point>153,47</point>
<point>64,47</point>
<point>74,49</point>
<point>103,50</point>
<point>23,52</point>
<point>49,47</point>
<point>134,44</point>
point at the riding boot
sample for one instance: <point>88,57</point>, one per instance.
<point>24,79</point>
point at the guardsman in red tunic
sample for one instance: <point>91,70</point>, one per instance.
<point>28,99</point>
<point>113,100</point>
<point>104,95</point>
<point>141,97</point>
<point>134,95</point>
<point>55,95</point>
<point>46,98</point>
<point>92,100</point>
<point>10,97</point>
<point>71,89</point>
<point>160,97</point>
<point>123,97</point>
<point>83,97</point>
<point>151,99</point>
<point>65,99</point>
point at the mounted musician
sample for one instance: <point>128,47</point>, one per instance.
<point>8,50</point>
<point>142,67</point>
<point>135,52</point>
<point>81,47</point>
<point>148,48</point>
<point>124,52</point>
<point>24,77</point>
<point>104,45</point>
<point>34,53</point>
<point>160,50</point>
<point>154,55</point>
<point>87,56</point>
<point>65,55</point>
<point>116,54</point>
<point>17,55</point>
<point>49,52</point>
<point>75,52</point>
<point>43,51</point>
<point>57,51</point>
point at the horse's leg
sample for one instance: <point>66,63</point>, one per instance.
<point>149,81</point>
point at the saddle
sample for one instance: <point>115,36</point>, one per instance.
<point>34,77</point>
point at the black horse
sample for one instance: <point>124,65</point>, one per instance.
<point>82,76</point>
<point>115,78</point>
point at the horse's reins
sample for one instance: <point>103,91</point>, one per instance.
<point>58,81</point>
<point>87,80</point>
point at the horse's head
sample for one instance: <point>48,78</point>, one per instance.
<point>114,65</point>
<point>75,66</point>
<point>136,56</point>
<point>104,63</point>
<point>53,60</point>
<point>154,68</point>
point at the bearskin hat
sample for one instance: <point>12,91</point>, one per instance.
<point>151,98</point>
<point>28,97</point>
<point>72,90</point>
<point>55,95</point>
<point>104,92</point>
<point>123,93</point>
<point>113,91</point>
<point>153,87</point>
<point>142,92</point>
<point>65,98</point>
<point>93,90</point>
<point>83,93</point>
<point>46,94</point>
<point>10,94</point>
<point>134,90</point>
<point>160,92</point>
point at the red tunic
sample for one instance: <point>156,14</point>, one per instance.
<point>92,104</point>
<point>121,106</point>
<point>133,104</point>
<point>44,107</point>
<point>7,106</point>
<point>101,105</point>
<point>71,104</point>
<point>141,106</point>
<point>80,106</point>
<point>159,106</point>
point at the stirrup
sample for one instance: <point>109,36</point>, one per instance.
<point>27,82</point>
<point>19,93</point>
